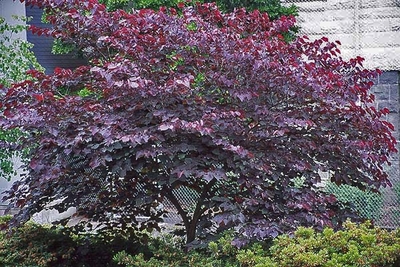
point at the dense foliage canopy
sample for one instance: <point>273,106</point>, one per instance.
<point>274,8</point>
<point>218,104</point>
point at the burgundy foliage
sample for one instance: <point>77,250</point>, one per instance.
<point>193,98</point>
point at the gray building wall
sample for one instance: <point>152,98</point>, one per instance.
<point>366,28</point>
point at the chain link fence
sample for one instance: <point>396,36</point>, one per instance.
<point>382,208</point>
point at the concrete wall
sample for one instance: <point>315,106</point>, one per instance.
<point>386,90</point>
<point>367,28</point>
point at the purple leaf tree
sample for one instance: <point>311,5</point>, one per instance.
<point>216,103</point>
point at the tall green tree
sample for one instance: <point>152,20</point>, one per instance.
<point>16,58</point>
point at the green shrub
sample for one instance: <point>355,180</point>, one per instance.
<point>167,252</point>
<point>35,245</point>
<point>354,246</point>
<point>362,246</point>
<point>94,250</point>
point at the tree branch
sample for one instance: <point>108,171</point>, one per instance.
<point>177,205</point>
<point>191,230</point>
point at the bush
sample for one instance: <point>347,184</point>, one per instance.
<point>355,245</point>
<point>98,250</point>
<point>361,245</point>
<point>166,251</point>
<point>37,245</point>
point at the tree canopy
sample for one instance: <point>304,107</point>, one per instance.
<point>274,8</point>
<point>16,58</point>
<point>194,98</point>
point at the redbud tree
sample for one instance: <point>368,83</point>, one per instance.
<point>192,98</point>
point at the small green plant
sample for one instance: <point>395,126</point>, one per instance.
<point>60,48</point>
<point>176,60</point>
<point>12,136</point>
<point>192,26</point>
